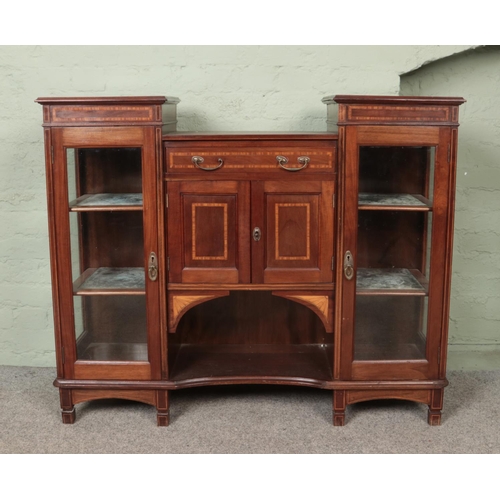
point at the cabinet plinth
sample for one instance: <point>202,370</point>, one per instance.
<point>193,259</point>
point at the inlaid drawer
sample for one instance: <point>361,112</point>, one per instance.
<point>227,158</point>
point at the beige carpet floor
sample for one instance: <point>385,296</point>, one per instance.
<point>247,419</point>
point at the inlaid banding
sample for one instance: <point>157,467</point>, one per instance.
<point>278,254</point>
<point>194,254</point>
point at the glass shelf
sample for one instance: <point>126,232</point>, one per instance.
<point>107,201</point>
<point>111,281</point>
<point>376,201</point>
<point>391,282</point>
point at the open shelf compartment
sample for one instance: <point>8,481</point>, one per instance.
<point>251,337</point>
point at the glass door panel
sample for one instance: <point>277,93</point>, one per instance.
<point>107,253</point>
<point>395,207</point>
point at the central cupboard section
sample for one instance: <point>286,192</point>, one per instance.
<point>250,250</point>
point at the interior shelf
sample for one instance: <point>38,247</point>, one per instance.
<point>395,281</point>
<point>234,361</point>
<point>111,281</point>
<point>374,201</point>
<point>107,201</point>
<point>384,351</point>
<point>107,351</point>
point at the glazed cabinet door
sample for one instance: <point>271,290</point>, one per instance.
<point>208,231</point>
<point>106,227</point>
<point>292,231</point>
<point>395,255</point>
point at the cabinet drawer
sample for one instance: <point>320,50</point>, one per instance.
<point>286,158</point>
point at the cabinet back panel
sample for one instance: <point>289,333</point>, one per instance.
<point>109,170</point>
<point>393,170</point>
<point>254,317</point>
<point>112,239</point>
<point>388,239</point>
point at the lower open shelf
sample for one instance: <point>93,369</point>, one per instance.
<point>300,364</point>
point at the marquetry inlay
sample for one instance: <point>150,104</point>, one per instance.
<point>307,256</point>
<point>180,304</point>
<point>194,226</point>
<point>320,159</point>
<point>398,113</point>
<point>320,302</point>
<point>102,113</point>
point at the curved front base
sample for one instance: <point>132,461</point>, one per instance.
<point>156,393</point>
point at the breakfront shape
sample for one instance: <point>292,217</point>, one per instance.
<point>250,280</point>
<point>192,259</point>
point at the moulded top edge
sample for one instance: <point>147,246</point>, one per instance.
<point>109,100</point>
<point>241,136</point>
<point>395,99</point>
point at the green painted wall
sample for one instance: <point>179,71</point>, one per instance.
<point>275,88</point>
<point>475,302</point>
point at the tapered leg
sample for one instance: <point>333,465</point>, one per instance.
<point>67,408</point>
<point>435,408</point>
<point>339,408</point>
<point>162,408</point>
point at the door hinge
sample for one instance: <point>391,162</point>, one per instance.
<point>439,355</point>
<point>52,155</point>
<point>333,201</point>
<point>166,200</point>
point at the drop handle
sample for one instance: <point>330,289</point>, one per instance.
<point>257,233</point>
<point>283,160</point>
<point>196,160</point>
<point>348,265</point>
<point>153,267</point>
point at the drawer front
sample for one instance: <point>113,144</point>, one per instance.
<point>239,159</point>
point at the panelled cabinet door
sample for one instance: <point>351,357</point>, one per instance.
<point>396,224</point>
<point>292,231</point>
<point>208,237</point>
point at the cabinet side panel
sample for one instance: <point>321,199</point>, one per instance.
<point>53,250</point>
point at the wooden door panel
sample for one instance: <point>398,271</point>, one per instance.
<point>209,232</point>
<point>207,220</point>
<point>296,221</point>
<point>292,221</point>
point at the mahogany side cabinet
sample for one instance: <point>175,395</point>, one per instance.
<point>193,259</point>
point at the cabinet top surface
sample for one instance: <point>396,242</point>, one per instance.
<point>107,100</point>
<point>384,99</point>
<point>252,136</point>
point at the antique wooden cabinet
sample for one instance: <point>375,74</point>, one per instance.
<point>190,259</point>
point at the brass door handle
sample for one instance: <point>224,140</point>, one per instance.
<point>348,265</point>
<point>283,160</point>
<point>153,267</point>
<point>199,159</point>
